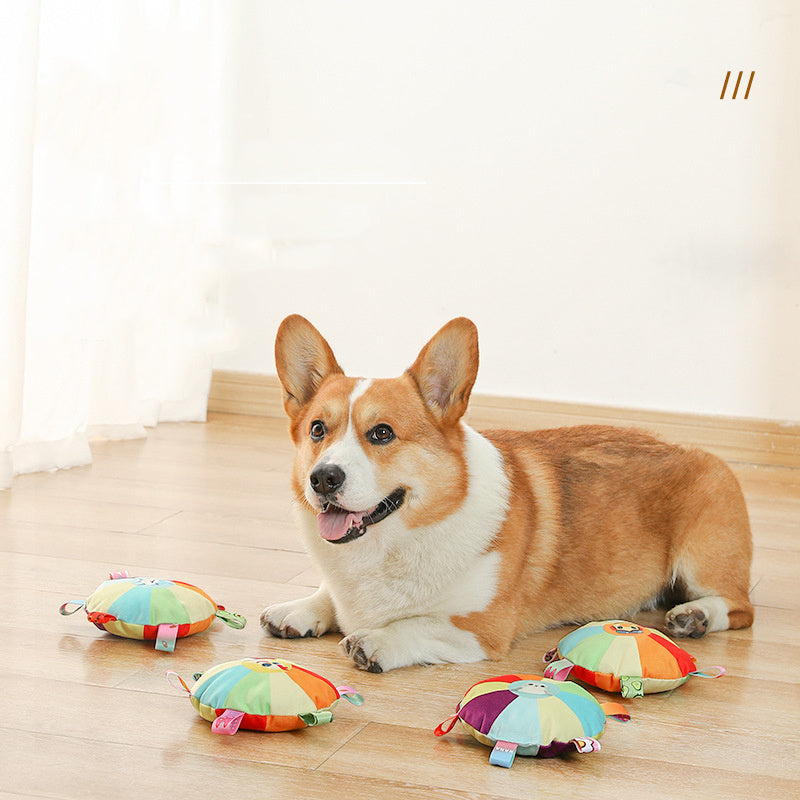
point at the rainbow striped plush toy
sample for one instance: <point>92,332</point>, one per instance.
<point>263,695</point>
<point>623,657</point>
<point>531,716</point>
<point>151,608</point>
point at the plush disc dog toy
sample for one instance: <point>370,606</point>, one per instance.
<point>620,656</point>
<point>264,695</point>
<point>150,608</point>
<point>532,716</point>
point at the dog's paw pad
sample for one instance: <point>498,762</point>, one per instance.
<point>687,621</point>
<point>286,633</point>
<point>281,628</point>
<point>355,648</point>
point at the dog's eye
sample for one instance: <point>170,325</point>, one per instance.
<point>318,430</point>
<point>380,434</point>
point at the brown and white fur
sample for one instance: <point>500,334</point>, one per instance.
<point>498,534</point>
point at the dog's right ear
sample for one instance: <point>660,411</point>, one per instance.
<point>446,368</point>
<point>304,359</point>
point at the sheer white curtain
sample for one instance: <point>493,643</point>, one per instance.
<point>109,144</point>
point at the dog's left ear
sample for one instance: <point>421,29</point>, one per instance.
<point>446,368</point>
<point>304,359</point>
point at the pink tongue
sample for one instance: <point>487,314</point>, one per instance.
<point>334,523</point>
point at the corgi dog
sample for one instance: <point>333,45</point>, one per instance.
<point>440,544</point>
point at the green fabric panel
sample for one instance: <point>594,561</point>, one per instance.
<point>165,607</point>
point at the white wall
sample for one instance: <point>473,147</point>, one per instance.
<point>563,173</point>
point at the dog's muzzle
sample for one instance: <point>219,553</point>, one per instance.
<point>338,525</point>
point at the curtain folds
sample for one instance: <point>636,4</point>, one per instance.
<point>109,146</point>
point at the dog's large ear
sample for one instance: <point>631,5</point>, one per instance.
<point>446,368</point>
<point>304,359</point>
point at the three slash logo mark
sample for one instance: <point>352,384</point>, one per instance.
<point>736,87</point>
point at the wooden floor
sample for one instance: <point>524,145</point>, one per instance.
<point>86,715</point>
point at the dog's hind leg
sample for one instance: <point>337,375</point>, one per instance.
<point>711,565</point>
<point>708,613</point>
<point>717,595</point>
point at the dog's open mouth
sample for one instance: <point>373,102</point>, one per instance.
<point>338,525</point>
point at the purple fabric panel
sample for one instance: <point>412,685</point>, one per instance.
<point>555,749</point>
<point>483,710</point>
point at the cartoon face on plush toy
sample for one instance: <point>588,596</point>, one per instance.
<point>149,582</point>
<point>623,628</point>
<point>531,689</point>
<point>259,665</point>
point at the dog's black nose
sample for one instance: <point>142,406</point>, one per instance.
<point>327,479</point>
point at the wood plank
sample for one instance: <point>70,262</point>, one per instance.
<point>166,556</point>
<point>55,766</point>
<point>18,506</point>
<point>88,713</point>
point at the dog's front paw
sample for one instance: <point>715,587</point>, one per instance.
<point>687,620</point>
<point>363,650</point>
<point>297,619</point>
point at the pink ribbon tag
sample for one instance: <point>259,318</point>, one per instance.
<point>503,754</point>
<point>227,722</point>
<point>349,693</point>
<point>165,637</point>
<point>558,670</point>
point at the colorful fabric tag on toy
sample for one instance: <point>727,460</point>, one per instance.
<point>623,657</point>
<point>531,715</point>
<point>264,695</point>
<point>150,608</point>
